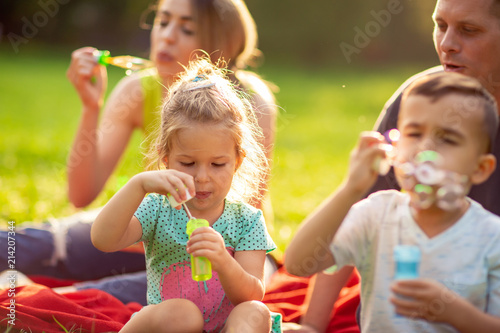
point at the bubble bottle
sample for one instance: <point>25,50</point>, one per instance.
<point>130,63</point>
<point>407,261</point>
<point>201,268</point>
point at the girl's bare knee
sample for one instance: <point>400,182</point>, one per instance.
<point>175,315</point>
<point>251,316</point>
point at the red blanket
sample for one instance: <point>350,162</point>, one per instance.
<point>286,294</point>
<point>38,308</point>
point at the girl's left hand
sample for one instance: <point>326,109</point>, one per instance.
<point>424,299</point>
<point>208,243</point>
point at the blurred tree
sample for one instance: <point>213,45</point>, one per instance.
<point>315,32</point>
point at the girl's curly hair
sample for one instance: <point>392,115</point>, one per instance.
<point>203,94</point>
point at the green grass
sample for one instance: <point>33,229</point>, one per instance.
<point>323,112</point>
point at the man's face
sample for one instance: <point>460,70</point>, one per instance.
<point>467,40</point>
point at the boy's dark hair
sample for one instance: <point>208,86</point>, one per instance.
<point>438,85</point>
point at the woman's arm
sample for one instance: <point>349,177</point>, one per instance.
<point>98,145</point>
<point>266,113</point>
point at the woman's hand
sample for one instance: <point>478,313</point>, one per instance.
<point>88,78</point>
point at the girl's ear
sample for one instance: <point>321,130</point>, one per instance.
<point>165,162</point>
<point>486,166</point>
<point>239,160</point>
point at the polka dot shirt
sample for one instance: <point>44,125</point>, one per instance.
<point>164,236</point>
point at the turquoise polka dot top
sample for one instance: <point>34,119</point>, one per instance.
<point>167,262</point>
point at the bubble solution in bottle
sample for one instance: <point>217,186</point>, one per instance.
<point>201,267</point>
<point>407,261</point>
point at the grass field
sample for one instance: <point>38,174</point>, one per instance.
<point>323,111</point>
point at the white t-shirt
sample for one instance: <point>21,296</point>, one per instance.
<point>465,258</point>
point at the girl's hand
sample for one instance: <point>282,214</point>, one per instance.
<point>166,182</point>
<point>362,173</point>
<point>88,78</point>
<point>424,299</point>
<point>208,243</point>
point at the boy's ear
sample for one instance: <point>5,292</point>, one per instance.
<point>486,165</point>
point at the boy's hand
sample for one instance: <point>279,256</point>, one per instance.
<point>425,299</point>
<point>167,181</point>
<point>208,243</point>
<point>362,174</point>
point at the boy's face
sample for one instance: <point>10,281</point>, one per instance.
<point>451,126</point>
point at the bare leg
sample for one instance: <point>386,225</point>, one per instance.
<point>246,317</point>
<point>170,316</point>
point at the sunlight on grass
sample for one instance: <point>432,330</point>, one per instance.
<point>323,112</point>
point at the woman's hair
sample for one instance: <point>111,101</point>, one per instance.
<point>226,29</point>
<point>203,94</point>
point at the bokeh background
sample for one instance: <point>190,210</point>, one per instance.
<point>335,63</point>
<point>309,32</point>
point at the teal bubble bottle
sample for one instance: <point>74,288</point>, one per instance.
<point>201,268</point>
<point>407,261</point>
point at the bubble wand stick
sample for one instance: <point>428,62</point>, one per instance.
<point>130,63</point>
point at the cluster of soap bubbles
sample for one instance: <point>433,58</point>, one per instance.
<point>432,184</point>
<point>425,177</point>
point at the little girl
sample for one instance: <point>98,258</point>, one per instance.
<point>208,143</point>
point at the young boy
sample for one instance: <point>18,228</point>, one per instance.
<point>452,117</point>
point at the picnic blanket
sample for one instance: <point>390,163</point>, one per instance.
<point>39,309</point>
<point>286,294</point>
